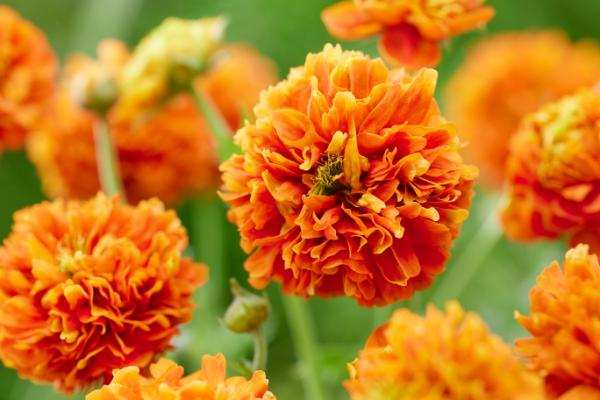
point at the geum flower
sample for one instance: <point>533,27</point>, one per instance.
<point>350,182</point>
<point>504,78</point>
<point>553,171</point>
<point>564,324</point>
<point>166,382</point>
<point>89,287</point>
<point>445,355</point>
<point>28,68</point>
<point>411,31</point>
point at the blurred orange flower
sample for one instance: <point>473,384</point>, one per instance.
<point>504,78</point>
<point>581,392</point>
<point>447,355</point>
<point>412,31</point>
<point>235,80</point>
<point>564,323</point>
<point>350,181</point>
<point>89,287</point>
<point>554,170</point>
<point>167,382</point>
<point>28,68</point>
<point>166,152</point>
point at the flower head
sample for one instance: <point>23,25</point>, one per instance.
<point>411,30</point>
<point>565,323</point>
<point>508,76</point>
<point>553,170</point>
<point>447,355</point>
<point>350,181</point>
<point>167,152</point>
<point>169,57</point>
<point>89,287</point>
<point>166,382</point>
<point>235,79</point>
<point>28,68</point>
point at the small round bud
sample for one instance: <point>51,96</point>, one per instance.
<point>95,90</point>
<point>247,312</point>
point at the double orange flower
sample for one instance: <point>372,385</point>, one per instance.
<point>28,68</point>
<point>350,183</point>
<point>411,31</point>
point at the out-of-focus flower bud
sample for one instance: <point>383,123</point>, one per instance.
<point>247,312</point>
<point>94,84</point>
<point>169,58</point>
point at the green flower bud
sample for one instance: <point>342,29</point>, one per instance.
<point>247,312</point>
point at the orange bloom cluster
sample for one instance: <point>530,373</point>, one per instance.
<point>412,31</point>
<point>167,383</point>
<point>447,355</point>
<point>565,325</point>
<point>89,287</point>
<point>350,181</point>
<point>167,152</point>
<point>28,68</point>
<point>553,170</point>
<point>507,76</point>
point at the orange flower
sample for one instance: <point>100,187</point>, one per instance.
<point>565,324</point>
<point>236,79</point>
<point>89,287</point>
<point>581,392</point>
<point>350,182</point>
<point>28,68</point>
<point>447,355</point>
<point>168,152</point>
<point>167,382</point>
<point>553,170</point>
<point>508,76</point>
<point>412,31</point>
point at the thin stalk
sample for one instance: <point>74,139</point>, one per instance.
<point>261,350</point>
<point>304,338</point>
<point>218,125</point>
<point>108,166</point>
<point>468,262</point>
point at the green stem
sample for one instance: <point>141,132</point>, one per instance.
<point>468,262</point>
<point>218,125</point>
<point>303,334</point>
<point>261,350</point>
<point>108,166</point>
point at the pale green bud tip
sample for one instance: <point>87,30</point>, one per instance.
<point>95,90</point>
<point>247,312</point>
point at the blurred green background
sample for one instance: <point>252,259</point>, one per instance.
<point>494,275</point>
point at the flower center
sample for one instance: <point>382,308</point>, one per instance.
<point>327,179</point>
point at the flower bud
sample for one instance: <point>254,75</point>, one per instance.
<point>169,58</point>
<point>94,83</point>
<point>94,89</point>
<point>247,312</point>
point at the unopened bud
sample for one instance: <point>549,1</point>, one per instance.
<point>247,312</point>
<point>95,90</point>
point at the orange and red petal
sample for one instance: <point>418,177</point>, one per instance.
<point>344,21</point>
<point>404,46</point>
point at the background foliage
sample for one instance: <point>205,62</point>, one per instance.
<point>494,275</point>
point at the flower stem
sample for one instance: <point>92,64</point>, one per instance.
<point>108,166</point>
<point>261,350</point>
<point>217,124</point>
<point>303,334</point>
<point>468,262</point>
